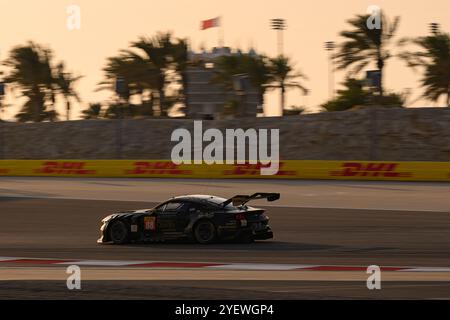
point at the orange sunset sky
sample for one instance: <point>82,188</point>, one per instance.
<point>108,26</point>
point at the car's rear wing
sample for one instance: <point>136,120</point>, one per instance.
<point>241,199</point>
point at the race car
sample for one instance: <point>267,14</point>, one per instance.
<point>200,218</point>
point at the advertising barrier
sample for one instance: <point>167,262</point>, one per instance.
<point>289,169</point>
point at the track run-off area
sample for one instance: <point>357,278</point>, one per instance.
<point>326,235</point>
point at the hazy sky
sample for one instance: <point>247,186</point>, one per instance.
<point>108,26</point>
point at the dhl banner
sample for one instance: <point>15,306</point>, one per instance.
<point>289,169</point>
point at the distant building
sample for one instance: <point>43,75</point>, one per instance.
<point>207,100</point>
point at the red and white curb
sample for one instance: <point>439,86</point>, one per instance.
<point>33,262</point>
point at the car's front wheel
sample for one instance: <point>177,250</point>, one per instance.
<point>118,233</point>
<point>205,232</point>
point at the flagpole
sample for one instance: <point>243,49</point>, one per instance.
<point>221,32</point>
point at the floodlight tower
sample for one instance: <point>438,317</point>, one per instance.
<point>279,25</point>
<point>330,46</point>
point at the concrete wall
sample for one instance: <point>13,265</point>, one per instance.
<point>370,134</point>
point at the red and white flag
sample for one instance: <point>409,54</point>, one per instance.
<point>211,23</point>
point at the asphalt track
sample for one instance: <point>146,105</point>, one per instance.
<point>52,218</point>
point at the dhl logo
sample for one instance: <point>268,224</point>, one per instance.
<point>64,167</point>
<point>388,170</point>
<point>4,171</point>
<point>255,170</point>
<point>162,167</point>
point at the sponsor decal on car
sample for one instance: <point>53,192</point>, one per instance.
<point>64,168</point>
<point>150,223</point>
<point>356,169</point>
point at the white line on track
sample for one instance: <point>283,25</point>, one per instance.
<point>208,265</point>
<point>102,263</point>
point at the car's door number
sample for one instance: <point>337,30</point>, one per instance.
<point>150,223</point>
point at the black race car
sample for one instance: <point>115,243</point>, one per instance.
<point>204,219</point>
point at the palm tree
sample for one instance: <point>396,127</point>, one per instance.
<point>130,70</point>
<point>157,51</point>
<point>65,85</point>
<point>147,69</point>
<point>284,77</point>
<point>179,55</point>
<point>363,46</point>
<point>259,72</point>
<point>93,112</point>
<point>434,58</point>
<point>256,67</point>
<point>225,68</point>
<point>354,95</point>
<point>2,94</point>
<point>31,72</point>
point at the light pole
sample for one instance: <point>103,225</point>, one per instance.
<point>2,94</point>
<point>2,138</point>
<point>120,87</point>
<point>434,27</point>
<point>279,25</point>
<point>330,46</point>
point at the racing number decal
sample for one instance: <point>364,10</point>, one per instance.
<point>150,223</point>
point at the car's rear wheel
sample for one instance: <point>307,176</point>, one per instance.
<point>205,232</point>
<point>118,233</point>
